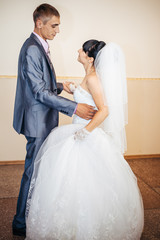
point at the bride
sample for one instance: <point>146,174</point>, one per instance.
<point>82,188</point>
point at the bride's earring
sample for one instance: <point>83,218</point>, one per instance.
<point>90,61</point>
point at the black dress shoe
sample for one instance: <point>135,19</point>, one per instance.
<point>19,231</point>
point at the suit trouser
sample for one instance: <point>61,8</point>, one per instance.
<point>32,148</point>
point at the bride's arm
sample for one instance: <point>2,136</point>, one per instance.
<point>94,88</point>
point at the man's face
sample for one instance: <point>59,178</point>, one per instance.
<point>49,29</point>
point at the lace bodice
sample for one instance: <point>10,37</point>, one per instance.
<point>82,96</point>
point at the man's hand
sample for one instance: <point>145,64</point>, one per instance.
<point>85,111</point>
<point>67,87</point>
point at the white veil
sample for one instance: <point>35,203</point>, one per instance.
<point>110,69</point>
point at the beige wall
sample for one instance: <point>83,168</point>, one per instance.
<point>143,130</point>
<point>134,25</point>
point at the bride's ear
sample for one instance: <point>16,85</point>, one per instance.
<point>90,60</point>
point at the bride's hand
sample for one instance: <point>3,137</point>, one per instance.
<point>81,134</point>
<point>72,87</point>
<point>69,87</point>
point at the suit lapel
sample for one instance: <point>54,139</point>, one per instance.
<point>33,36</point>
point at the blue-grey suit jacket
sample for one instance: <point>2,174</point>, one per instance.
<point>37,104</point>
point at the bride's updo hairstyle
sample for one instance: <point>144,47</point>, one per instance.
<point>92,47</point>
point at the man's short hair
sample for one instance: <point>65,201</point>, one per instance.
<point>45,12</point>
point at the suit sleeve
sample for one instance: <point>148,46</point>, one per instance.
<point>59,88</point>
<point>33,70</point>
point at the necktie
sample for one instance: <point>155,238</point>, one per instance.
<point>49,58</point>
<point>49,53</point>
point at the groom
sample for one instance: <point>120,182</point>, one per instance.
<point>37,103</point>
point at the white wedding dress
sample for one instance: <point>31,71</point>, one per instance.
<point>83,189</point>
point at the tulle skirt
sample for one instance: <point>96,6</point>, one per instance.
<point>83,190</point>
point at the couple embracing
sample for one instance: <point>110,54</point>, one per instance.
<point>76,184</point>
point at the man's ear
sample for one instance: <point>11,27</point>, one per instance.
<point>39,23</point>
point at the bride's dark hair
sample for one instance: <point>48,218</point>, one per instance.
<point>92,47</point>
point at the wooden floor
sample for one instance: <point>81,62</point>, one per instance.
<point>146,170</point>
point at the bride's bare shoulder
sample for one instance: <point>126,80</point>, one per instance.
<point>92,80</point>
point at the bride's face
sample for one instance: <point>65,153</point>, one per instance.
<point>82,57</point>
